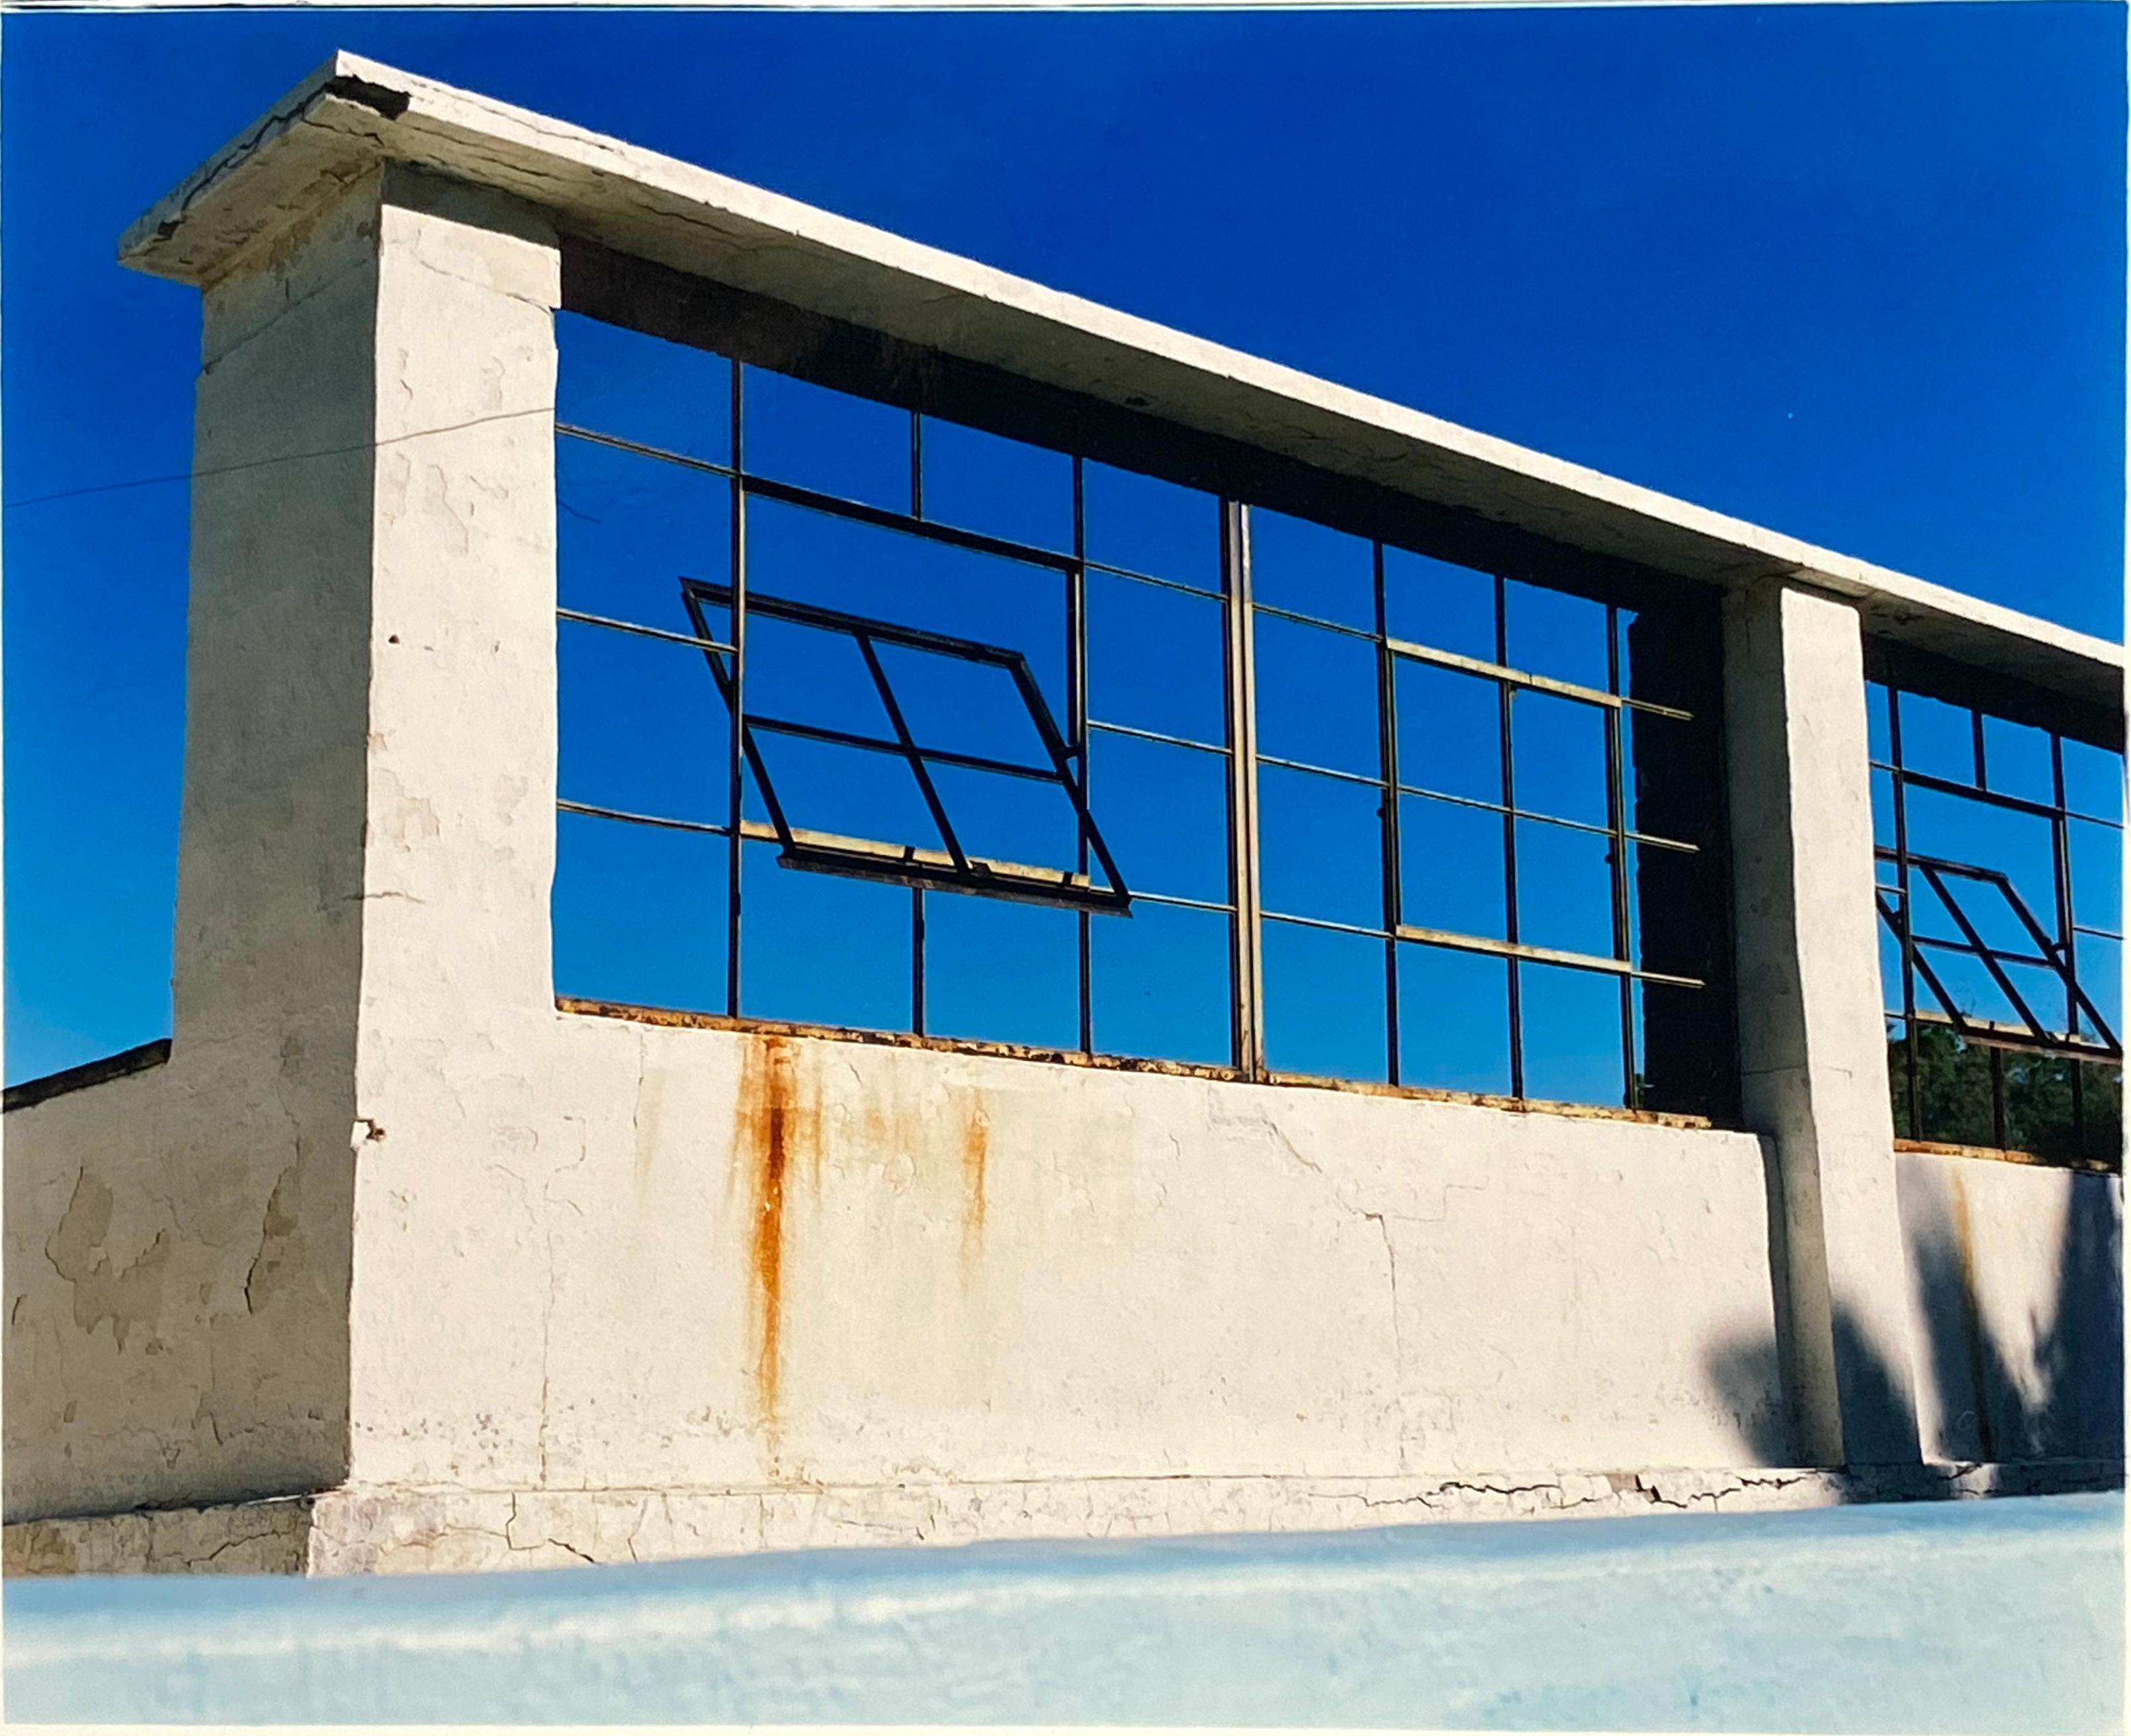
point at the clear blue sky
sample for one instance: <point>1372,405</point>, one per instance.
<point>1854,272</point>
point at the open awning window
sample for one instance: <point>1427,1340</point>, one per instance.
<point>934,812</point>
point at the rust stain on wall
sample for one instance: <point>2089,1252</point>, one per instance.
<point>976,1157</point>
<point>777,1125</point>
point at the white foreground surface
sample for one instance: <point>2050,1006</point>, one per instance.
<point>1997,1615</point>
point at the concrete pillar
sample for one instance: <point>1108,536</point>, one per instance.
<point>1813,1043</point>
<point>371,683</point>
<point>367,842</point>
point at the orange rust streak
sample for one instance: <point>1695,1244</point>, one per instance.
<point>976,1155</point>
<point>772,1128</point>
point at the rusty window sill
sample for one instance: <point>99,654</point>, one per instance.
<point>677,1018</point>
<point>1992,1153</point>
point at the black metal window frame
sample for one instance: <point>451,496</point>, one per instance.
<point>1610,704</point>
<point>950,869</point>
<point>2084,1034</point>
<point>953,870</point>
<point>746,331</point>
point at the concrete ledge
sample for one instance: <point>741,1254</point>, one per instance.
<point>352,114</point>
<point>1978,1616</point>
<point>410,1530</point>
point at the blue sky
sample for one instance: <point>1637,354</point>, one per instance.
<point>1854,272</point>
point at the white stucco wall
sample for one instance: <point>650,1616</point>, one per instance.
<point>700,1258</point>
<point>388,1222</point>
<point>603,1255</point>
<point>178,1242</point>
<point>2016,1281</point>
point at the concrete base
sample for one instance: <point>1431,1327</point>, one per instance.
<point>403,1530</point>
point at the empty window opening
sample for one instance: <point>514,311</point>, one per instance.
<point>1450,825</point>
<point>1999,846</point>
<point>896,611</point>
<point>1076,756</point>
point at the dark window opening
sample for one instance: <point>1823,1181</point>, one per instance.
<point>1999,841</point>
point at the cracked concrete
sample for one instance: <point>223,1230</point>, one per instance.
<point>407,1530</point>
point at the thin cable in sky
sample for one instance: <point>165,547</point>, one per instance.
<point>223,470</point>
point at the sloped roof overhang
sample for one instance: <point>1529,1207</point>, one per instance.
<point>352,114</point>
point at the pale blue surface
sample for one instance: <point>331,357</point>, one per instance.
<point>2002,1615</point>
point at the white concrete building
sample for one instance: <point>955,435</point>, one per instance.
<point>418,1246</point>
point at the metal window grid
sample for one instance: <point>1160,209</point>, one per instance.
<point>2083,1035</point>
<point>1068,751</point>
<point>1391,785</point>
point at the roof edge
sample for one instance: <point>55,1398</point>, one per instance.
<point>351,114</point>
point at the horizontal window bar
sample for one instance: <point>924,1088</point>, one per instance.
<point>1940,943</point>
<point>1525,678</point>
<point>1327,924</point>
<point>641,449</point>
<point>1487,807</point>
<point>1147,578</point>
<point>1312,620</point>
<point>1474,665</point>
<point>1990,798</point>
<point>877,744</point>
<point>934,870</point>
<point>881,518</point>
<point>1173,741</point>
<point>677,825</point>
<point>860,626</point>
<point>1991,1034</point>
<point>1188,904</point>
<point>1304,765</point>
<point>1542,955</point>
<point>1574,825</point>
<point>792,495</point>
<point>648,633</point>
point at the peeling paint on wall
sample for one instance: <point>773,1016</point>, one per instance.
<point>128,1297</point>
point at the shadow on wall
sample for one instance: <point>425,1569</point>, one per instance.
<point>1997,1390</point>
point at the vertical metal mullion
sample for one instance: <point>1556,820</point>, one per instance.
<point>1616,809</point>
<point>2067,935</point>
<point>1388,743</point>
<point>1911,1061</point>
<point>1508,844</point>
<point>916,466</point>
<point>1247,988</point>
<point>918,892</point>
<point>918,960</point>
<point>1076,725</point>
<point>735,770</point>
<point>1997,1055</point>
